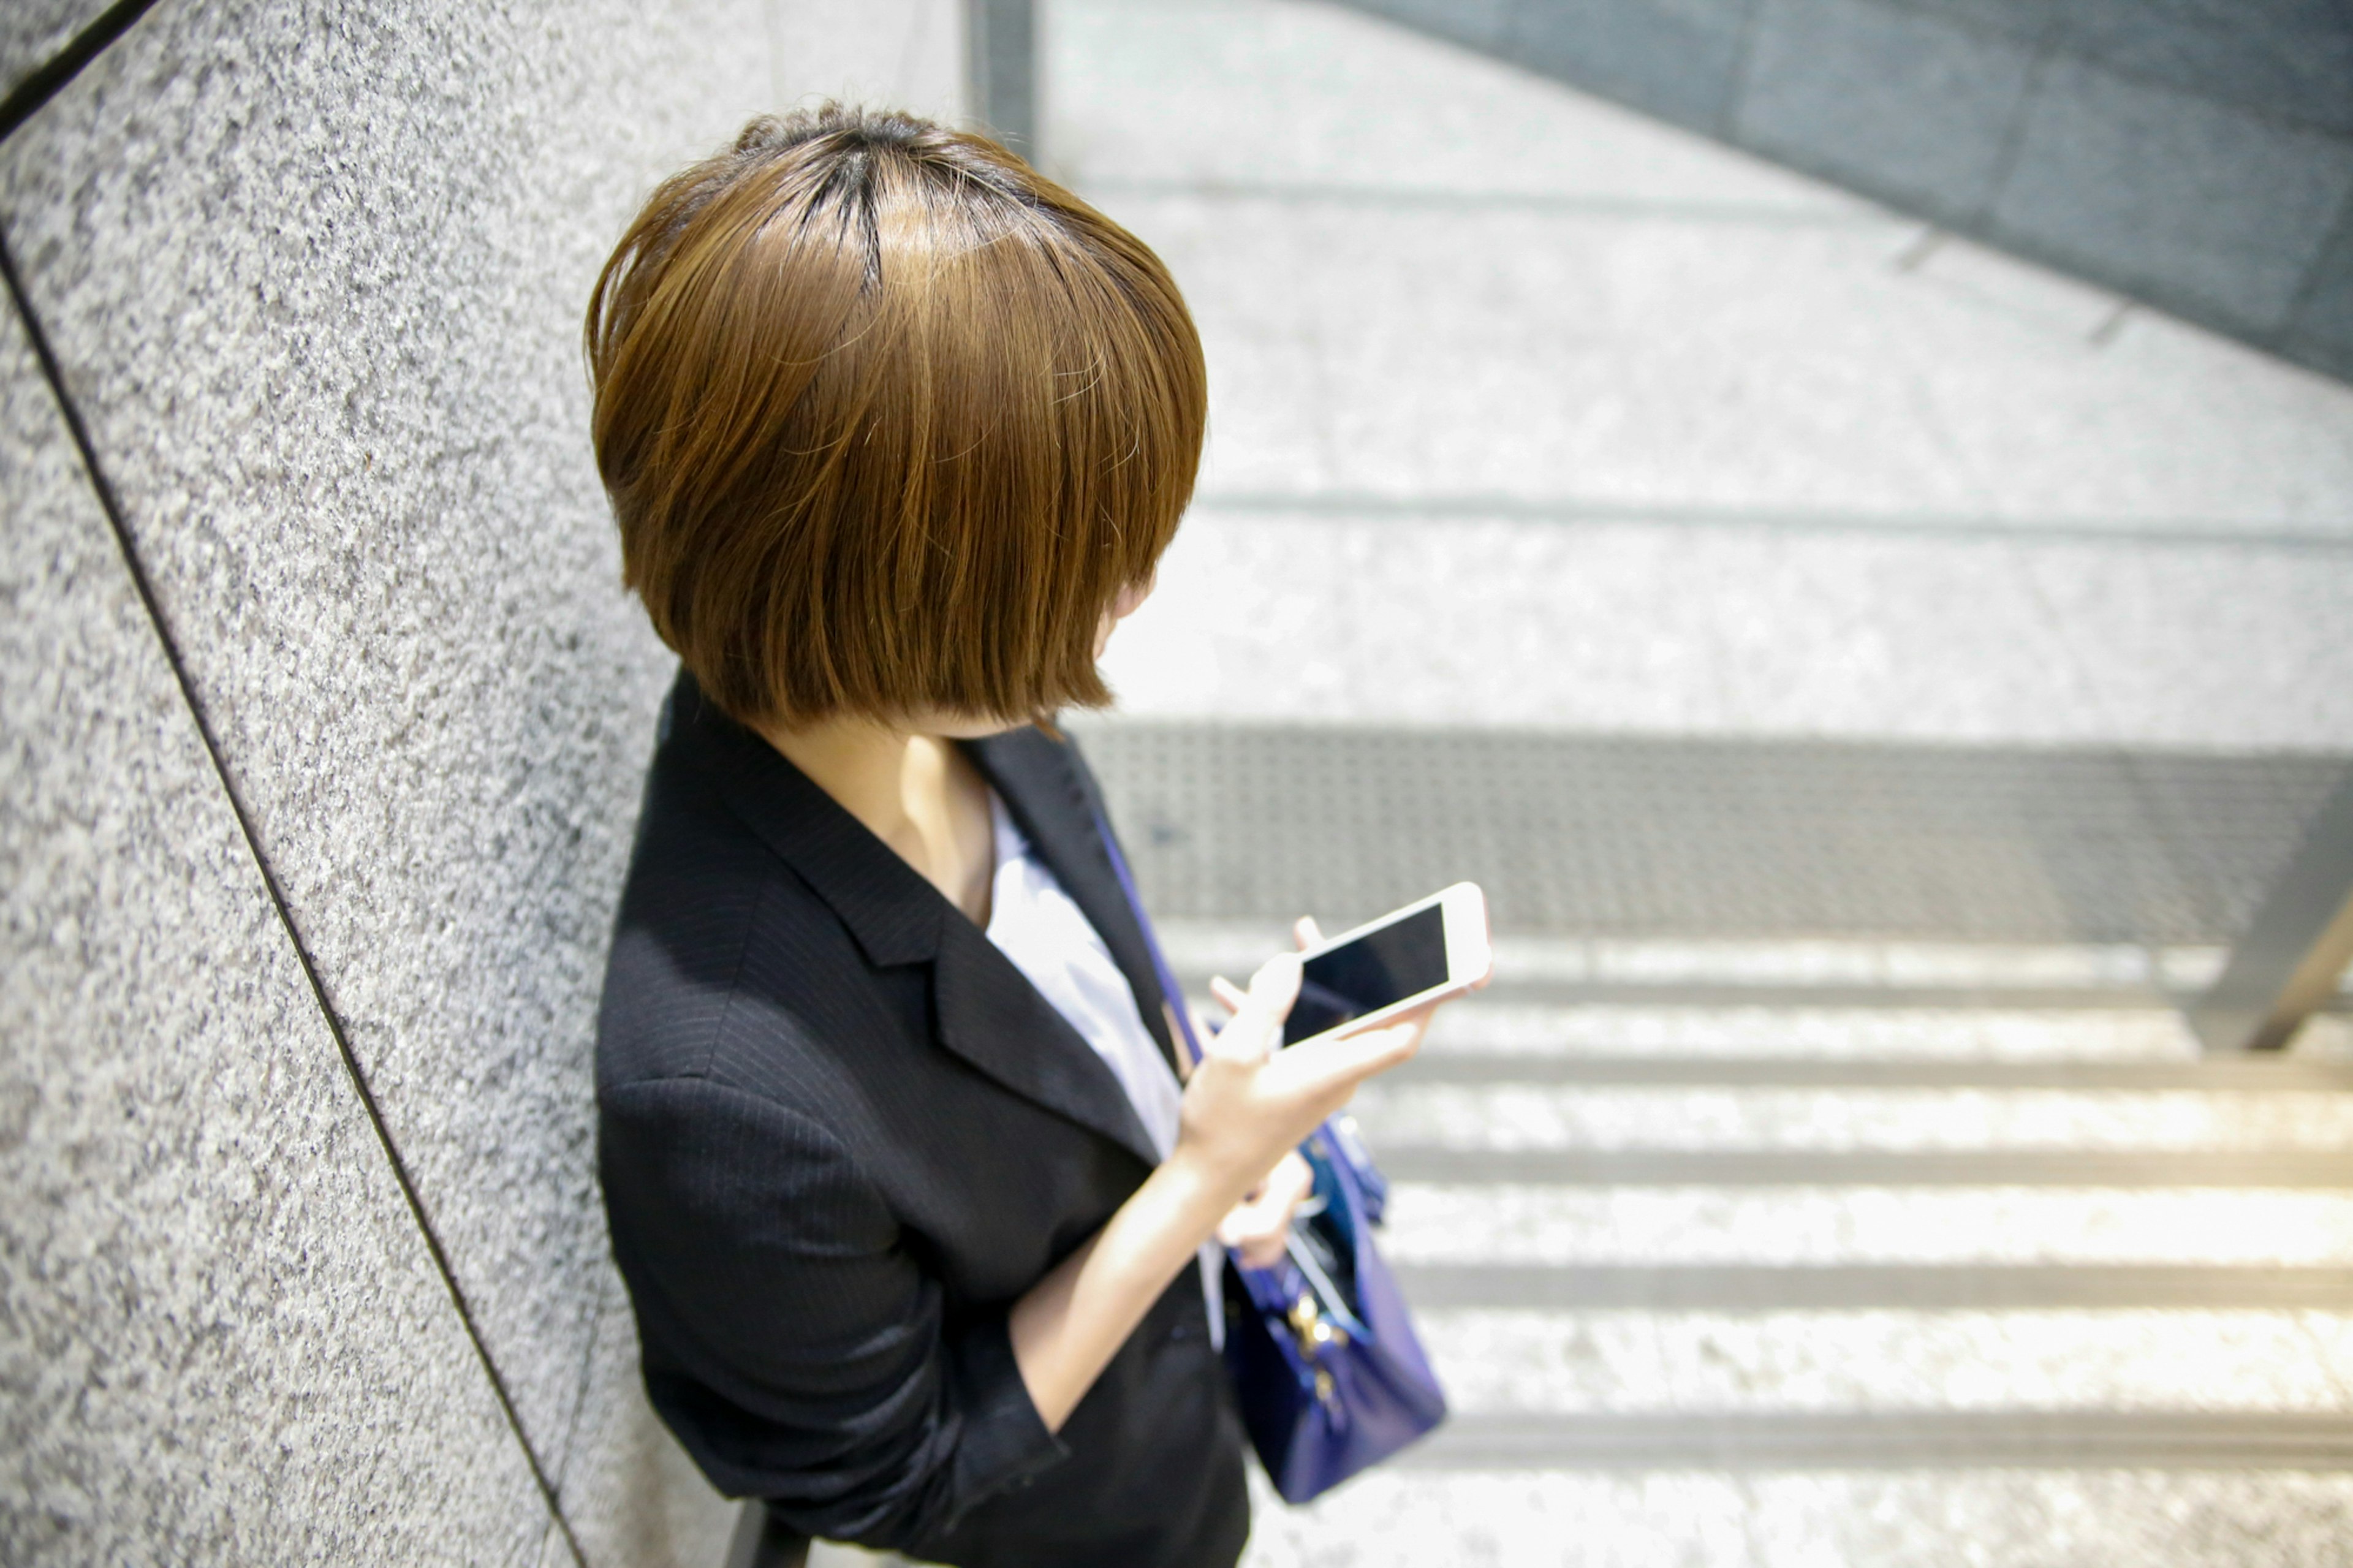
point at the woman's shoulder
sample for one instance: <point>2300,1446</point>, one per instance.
<point>720,948</point>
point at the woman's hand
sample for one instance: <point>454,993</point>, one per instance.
<point>1247,1105</point>
<point>1258,1228</point>
<point>1250,1102</point>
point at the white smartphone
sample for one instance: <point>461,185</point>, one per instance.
<point>1431,949</point>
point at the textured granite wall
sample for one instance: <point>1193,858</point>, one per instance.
<point>225,1339</point>
<point>38,31</point>
<point>2195,153</point>
<point>312,275</point>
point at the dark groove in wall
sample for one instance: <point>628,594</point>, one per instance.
<point>113,507</point>
<point>66,64</point>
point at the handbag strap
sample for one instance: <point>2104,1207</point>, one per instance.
<point>1373,1188</point>
<point>1172,996</point>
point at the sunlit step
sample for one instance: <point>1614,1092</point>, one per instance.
<point>1810,1439</point>
<point>1862,1517</point>
<point>1750,1289</point>
<point>1651,1226</point>
<point>1836,999</point>
<point>1601,1362</point>
<point>1526,1117</point>
<point>1978,1167</point>
<point>2268,1072</point>
<point>1489,1025</point>
<point>1526,964</point>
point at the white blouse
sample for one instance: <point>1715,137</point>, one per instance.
<point>1049,939</point>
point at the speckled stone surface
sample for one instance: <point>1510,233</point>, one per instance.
<point>315,275</point>
<point>633,1498</point>
<point>33,31</point>
<point>222,1339</point>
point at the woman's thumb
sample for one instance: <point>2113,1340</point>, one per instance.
<point>1256,1026</point>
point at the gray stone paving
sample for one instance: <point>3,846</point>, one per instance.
<point>1526,411</point>
<point>1923,1244</point>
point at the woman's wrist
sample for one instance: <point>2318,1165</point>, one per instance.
<point>1221,1179</point>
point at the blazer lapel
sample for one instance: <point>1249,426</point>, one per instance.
<point>1040,780</point>
<point>984,1009</point>
<point>993,1018</point>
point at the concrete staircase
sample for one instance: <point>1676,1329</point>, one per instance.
<point>1740,1284</point>
<point>1553,452</point>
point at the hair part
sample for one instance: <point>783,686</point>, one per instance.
<point>888,421</point>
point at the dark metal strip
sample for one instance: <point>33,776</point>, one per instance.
<point>2287,965</point>
<point>1644,838</point>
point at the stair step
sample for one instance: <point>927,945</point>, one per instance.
<point>1445,1226</point>
<point>2274,1169</point>
<point>1860,1286</point>
<point>1492,1025</point>
<point>1606,1516</point>
<point>1787,1440</point>
<point>2264,1074</point>
<point>1903,1361</point>
<point>1414,1116</point>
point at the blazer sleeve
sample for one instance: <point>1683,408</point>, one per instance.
<point>803,1354</point>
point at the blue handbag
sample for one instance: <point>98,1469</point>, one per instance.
<point>1327,1371</point>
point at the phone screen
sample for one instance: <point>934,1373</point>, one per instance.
<point>1377,969</point>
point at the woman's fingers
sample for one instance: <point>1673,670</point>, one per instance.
<point>1259,1246</point>
<point>1256,1024</point>
<point>1304,933</point>
<point>1336,1064</point>
<point>1258,1228</point>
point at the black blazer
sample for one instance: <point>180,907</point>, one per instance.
<point>839,1132</point>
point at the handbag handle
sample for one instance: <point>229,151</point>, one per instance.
<point>1172,996</point>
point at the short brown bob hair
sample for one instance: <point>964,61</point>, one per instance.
<point>888,421</point>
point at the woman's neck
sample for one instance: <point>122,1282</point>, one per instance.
<point>916,793</point>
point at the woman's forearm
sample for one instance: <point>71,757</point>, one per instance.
<point>1246,1103</point>
<point>1070,1323</point>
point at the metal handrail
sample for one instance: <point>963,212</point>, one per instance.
<point>2288,964</point>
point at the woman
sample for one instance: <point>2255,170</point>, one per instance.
<point>898,1166</point>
